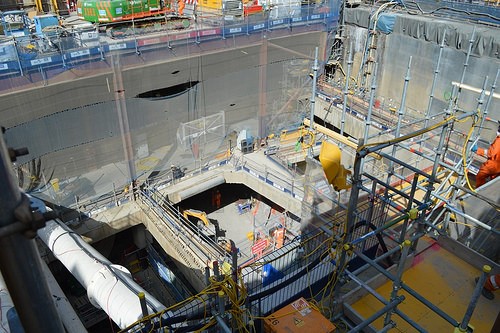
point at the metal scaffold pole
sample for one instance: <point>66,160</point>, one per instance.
<point>368,121</point>
<point>464,325</point>
<point>488,102</point>
<point>466,63</point>
<point>313,96</point>
<point>467,160</point>
<point>351,216</point>
<point>433,87</point>
<point>19,258</point>
<point>373,88</point>
<point>346,92</point>
<point>121,109</point>
<point>400,119</point>
<point>392,305</point>
<point>409,290</point>
<point>455,96</point>
<point>430,186</point>
<point>263,89</point>
<point>379,297</point>
<point>396,284</point>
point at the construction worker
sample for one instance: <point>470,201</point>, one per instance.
<point>491,168</point>
<point>181,7</point>
<point>218,198</point>
<point>491,284</point>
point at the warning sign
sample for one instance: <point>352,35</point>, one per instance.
<point>302,307</point>
<point>298,322</point>
<point>259,247</point>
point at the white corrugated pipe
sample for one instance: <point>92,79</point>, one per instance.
<point>109,287</point>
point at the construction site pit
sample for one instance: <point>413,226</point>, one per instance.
<point>253,224</point>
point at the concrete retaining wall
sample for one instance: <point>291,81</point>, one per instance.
<point>393,53</point>
<point>286,201</point>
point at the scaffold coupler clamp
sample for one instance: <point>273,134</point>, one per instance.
<point>348,248</point>
<point>413,213</point>
<point>29,220</point>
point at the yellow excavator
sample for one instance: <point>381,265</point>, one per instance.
<point>202,221</point>
<point>208,223</point>
<point>201,216</point>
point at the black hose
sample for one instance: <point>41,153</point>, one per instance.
<point>379,238</point>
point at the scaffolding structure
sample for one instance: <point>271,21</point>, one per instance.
<point>427,172</point>
<point>405,185</point>
<point>422,170</point>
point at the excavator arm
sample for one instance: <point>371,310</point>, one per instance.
<point>197,214</point>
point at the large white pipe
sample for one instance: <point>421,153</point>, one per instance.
<point>109,287</point>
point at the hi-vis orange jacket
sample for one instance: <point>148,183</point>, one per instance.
<point>490,168</point>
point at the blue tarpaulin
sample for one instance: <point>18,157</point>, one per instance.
<point>270,274</point>
<point>385,23</point>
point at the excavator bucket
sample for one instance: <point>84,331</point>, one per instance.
<point>330,158</point>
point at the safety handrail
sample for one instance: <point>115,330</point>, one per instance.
<point>20,63</point>
<point>181,226</point>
